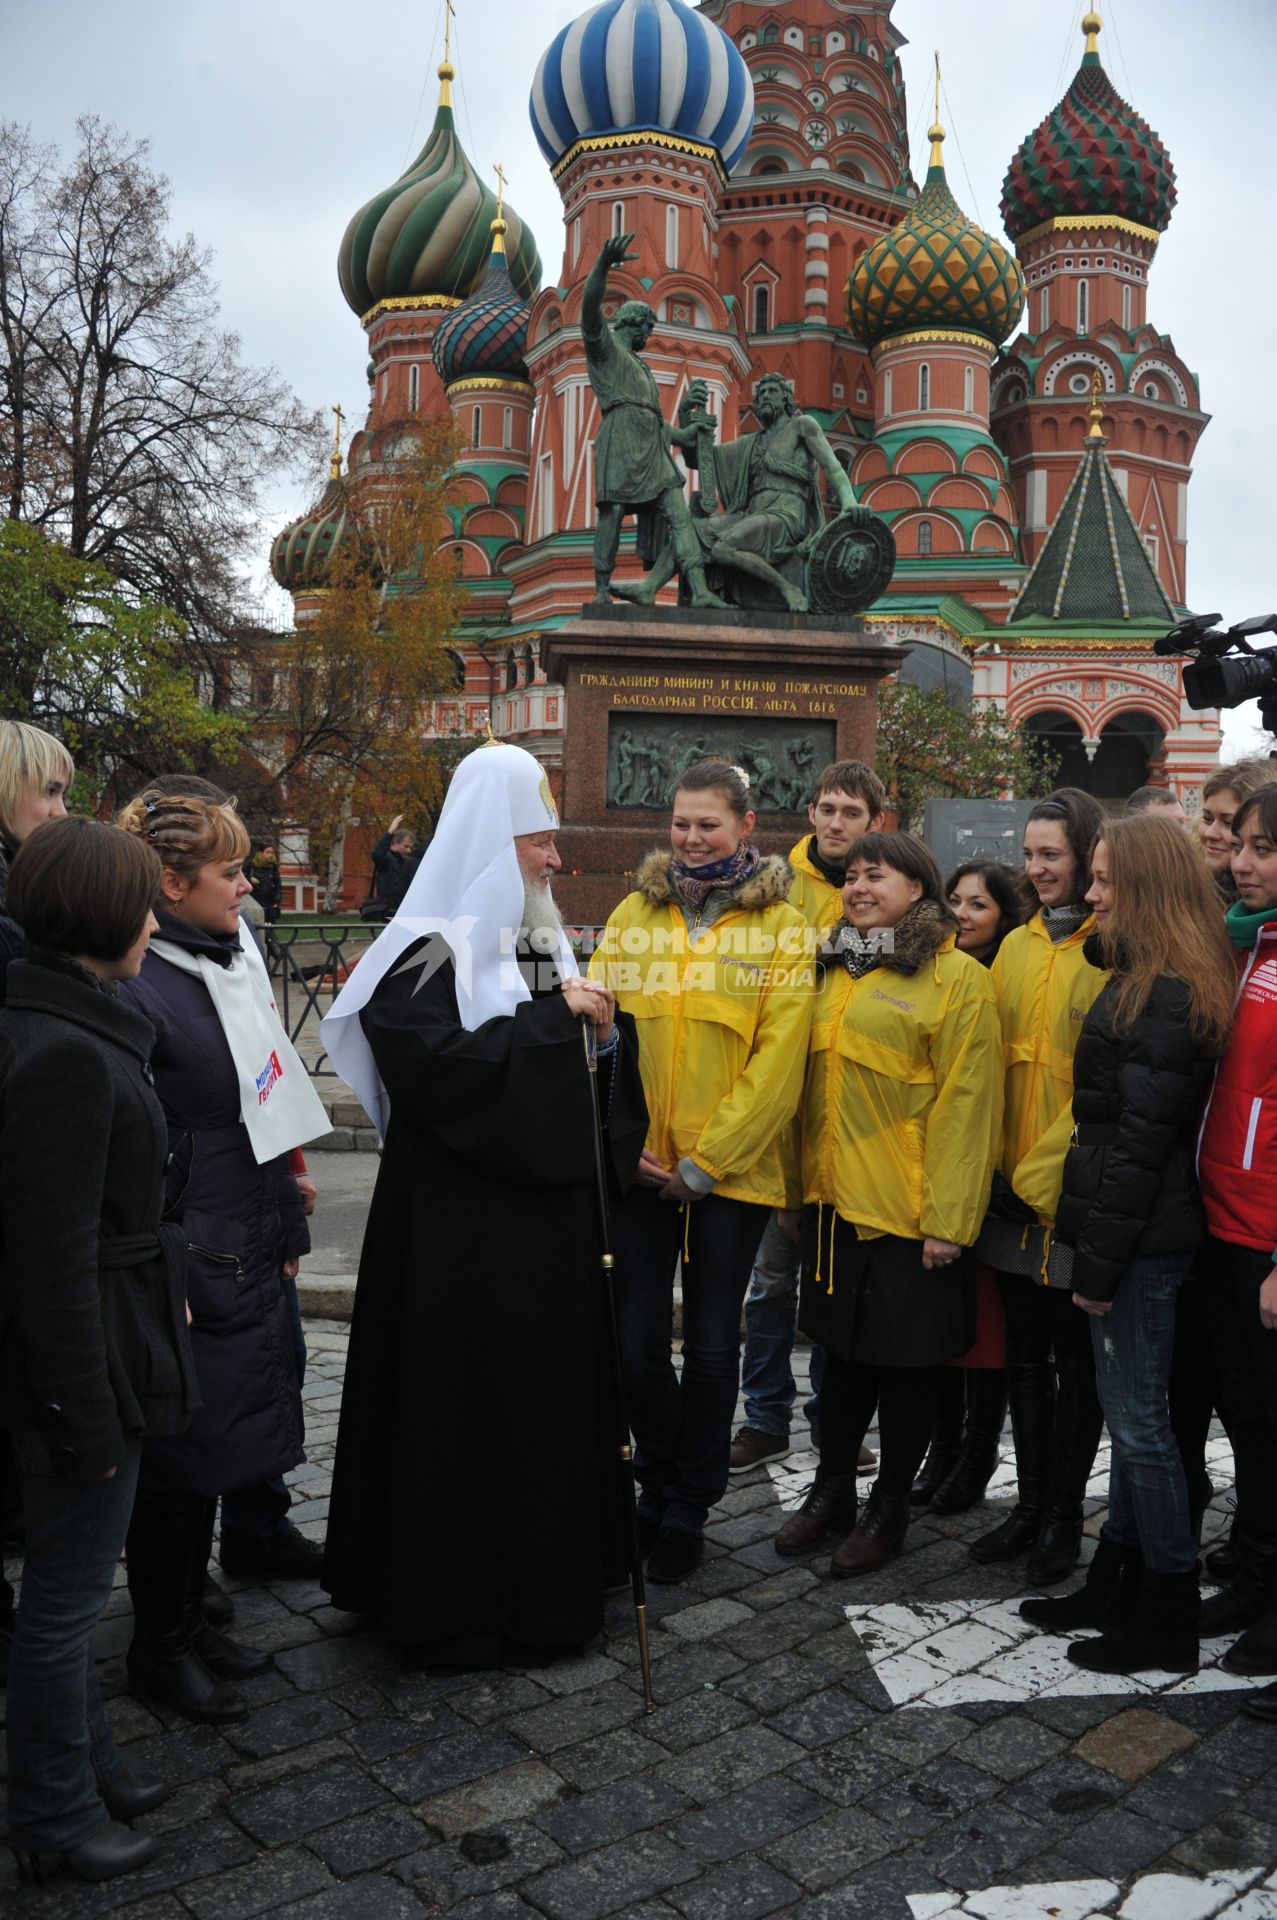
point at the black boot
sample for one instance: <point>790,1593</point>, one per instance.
<point>1079,1421</point>
<point>128,1796</point>
<point>166,1667</point>
<point>1158,1635</point>
<point>1031,1392</point>
<point>1107,1595</point>
<point>112,1851</point>
<point>1256,1651</point>
<point>225,1658</point>
<point>1224,1561</point>
<point>1249,1594</point>
<point>828,1511</point>
<point>946,1436</point>
<point>971,1473</point>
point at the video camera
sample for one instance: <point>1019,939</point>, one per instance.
<point>1227,670</point>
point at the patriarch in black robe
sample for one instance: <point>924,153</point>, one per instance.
<point>477,1501</point>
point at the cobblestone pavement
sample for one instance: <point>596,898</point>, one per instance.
<point>895,1746</point>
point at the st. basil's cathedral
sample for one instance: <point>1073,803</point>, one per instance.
<point>1010,412</point>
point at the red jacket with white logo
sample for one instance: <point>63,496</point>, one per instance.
<point>1237,1150</point>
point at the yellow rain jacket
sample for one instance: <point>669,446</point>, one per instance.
<point>819,903</point>
<point>902,1107</point>
<point>1045,989</point>
<point>723,1013</point>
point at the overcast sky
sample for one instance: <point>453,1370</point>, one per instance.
<point>276,119</point>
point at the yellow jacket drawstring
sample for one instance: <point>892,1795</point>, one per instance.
<point>820,1221</point>
<point>833,1230</point>
<point>687,1233</point>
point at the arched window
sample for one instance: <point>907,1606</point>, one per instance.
<point>576,238</point>
<point>924,387</point>
<point>414,388</point>
<point>1126,307</point>
<point>476,427</point>
<point>511,673</point>
<point>618,218</point>
<point>968,390</point>
<point>1083,305</point>
<point>507,427</point>
<point>771,35</point>
<point>886,394</point>
<point>762,309</point>
<point>671,236</point>
<point>1044,310</point>
<point>924,536</point>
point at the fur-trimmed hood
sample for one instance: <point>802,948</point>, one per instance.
<point>766,886</point>
<point>917,937</point>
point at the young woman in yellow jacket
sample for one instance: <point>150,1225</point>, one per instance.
<point>1045,986</point>
<point>901,1118</point>
<point>716,967</point>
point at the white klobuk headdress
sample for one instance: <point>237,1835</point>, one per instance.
<point>469,889</point>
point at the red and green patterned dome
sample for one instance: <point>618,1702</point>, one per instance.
<point>937,269</point>
<point>485,337</point>
<point>1092,158</point>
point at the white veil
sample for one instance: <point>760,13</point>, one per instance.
<point>469,889</point>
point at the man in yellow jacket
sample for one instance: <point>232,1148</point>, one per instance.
<point>848,800</point>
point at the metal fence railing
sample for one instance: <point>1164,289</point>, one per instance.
<point>309,961</point>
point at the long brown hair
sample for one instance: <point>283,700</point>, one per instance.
<point>1165,919</point>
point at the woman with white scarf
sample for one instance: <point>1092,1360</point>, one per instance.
<point>237,1100</point>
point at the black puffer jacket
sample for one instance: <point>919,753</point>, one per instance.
<point>1129,1184</point>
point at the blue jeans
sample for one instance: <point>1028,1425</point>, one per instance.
<point>1134,1345</point>
<point>682,1427</point>
<point>771,1320</point>
<point>57,1732</point>
<point>260,1511</point>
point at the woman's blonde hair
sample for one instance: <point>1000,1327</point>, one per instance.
<point>188,833</point>
<point>29,760</point>
<point>1242,777</point>
<point>1165,919</point>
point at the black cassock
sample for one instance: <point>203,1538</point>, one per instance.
<point>476,1493</point>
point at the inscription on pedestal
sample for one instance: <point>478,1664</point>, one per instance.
<point>727,693</point>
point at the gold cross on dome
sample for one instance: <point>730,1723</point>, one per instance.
<point>334,465</point>
<point>500,172</point>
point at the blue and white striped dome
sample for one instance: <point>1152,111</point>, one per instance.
<point>631,66</point>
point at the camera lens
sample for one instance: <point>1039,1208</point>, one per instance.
<point>1227,683</point>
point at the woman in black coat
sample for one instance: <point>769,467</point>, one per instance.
<point>93,1344</point>
<point>1131,1211</point>
<point>240,1212</point>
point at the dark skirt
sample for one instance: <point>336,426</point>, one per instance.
<point>874,1301</point>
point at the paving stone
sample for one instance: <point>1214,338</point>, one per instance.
<point>498,1698</point>
<point>328,1663</point>
<point>745,1529</point>
<point>451,1762</point>
<point>1244,1746</point>
<point>831,1849</point>
<point>822,1718</point>
<point>252,1774</point>
<point>983,1847</point>
<point>1131,1744</point>
<point>493,1906</point>
<point>610,1756</point>
<point>749,1820</point>
<point>571,1676</point>
<point>269,1881</point>
<point>788,1583</point>
<point>1234,1840</point>
<point>596,1710</point>
<point>1012,1746</point>
<point>688,1668</point>
<point>1174,1896</point>
<point>776,1683</point>
<point>382,1734</point>
<point>917,1804</point>
<point>726,1574</point>
<point>1185,1793</point>
<point>612,1879</point>
<point>703,1621</point>
<point>696,1717</point>
<point>612,1813</point>
<point>880,1891</point>
<point>188,1753</point>
<point>368,1840</point>
<point>287,1723</point>
<point>732,1761</point>
<point>848,1770</point>
<point>374,1898</point>
<point>747,1890</point>
<point>508,1795</point>
<point>1066,1786</point>
<point>299,1807</point>
<point>477,1864</point>
<point>1117,1843</point>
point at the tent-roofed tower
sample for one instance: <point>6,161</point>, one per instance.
<point>1075,660</point>
<point>1086,200</point>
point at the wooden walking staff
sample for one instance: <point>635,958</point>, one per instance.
<point>607,1264</point>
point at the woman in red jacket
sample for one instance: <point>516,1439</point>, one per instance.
<point>1237,1166</point>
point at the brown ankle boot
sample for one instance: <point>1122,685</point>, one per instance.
<point>830,1508</point>
<point>877,1537</point>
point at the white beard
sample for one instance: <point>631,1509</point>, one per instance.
<point>542,921</point>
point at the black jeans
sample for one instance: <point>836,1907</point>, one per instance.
<point>1050,1362</point>
<point>1245,1354</point>
<point>906,1401</point>
<point>682,1428</point>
